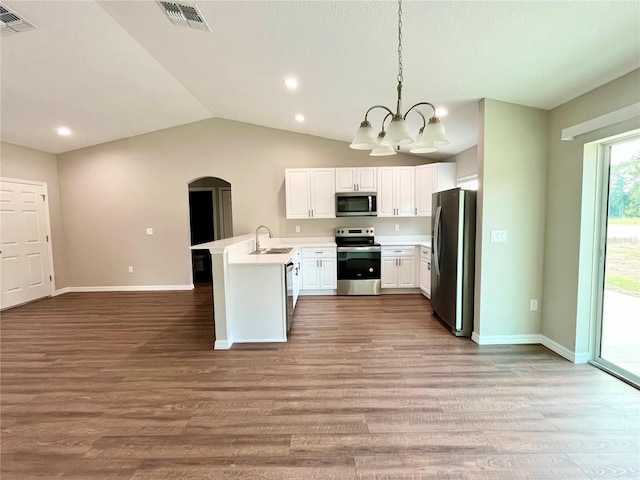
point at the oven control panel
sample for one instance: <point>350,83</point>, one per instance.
<point>355,232</point>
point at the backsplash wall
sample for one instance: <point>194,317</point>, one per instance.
<point>383,225</point>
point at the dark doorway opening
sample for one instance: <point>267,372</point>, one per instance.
<point>202,231</point>
<point>210,219</point>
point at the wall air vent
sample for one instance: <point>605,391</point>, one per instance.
<point>184,15</point>
<point>12,23</point>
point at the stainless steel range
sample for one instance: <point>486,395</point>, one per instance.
<point>358,261</point>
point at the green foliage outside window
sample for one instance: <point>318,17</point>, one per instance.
<point>624,194</point>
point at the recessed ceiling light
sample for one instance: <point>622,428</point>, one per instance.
<point>300,117</point>
<point>291,83</point>
<point>441,112</point>
<point>63,131</point>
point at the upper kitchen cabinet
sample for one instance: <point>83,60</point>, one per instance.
<point>356,180</point>
<point>431,178</point>
<point>396,189</point>
<point>310,192</point>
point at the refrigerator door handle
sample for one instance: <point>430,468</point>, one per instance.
<point>436,240</point>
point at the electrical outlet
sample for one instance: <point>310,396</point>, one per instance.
<point>533,304</point>
<point>130,269</point>
<point>149,231</point>
<point>297,228</point>
<point>397,227</point>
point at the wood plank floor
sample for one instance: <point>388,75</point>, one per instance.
<point>127,386</point>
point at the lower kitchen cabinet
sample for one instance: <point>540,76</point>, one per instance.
<point>319,268</point>
<point>425,271</point>
<point>398,269</point>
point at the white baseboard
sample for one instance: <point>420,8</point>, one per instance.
<point>574,357</point>
<point>259,340</point>
<point>506,339</point>
<point>222,345</point>
<point>538,338</point>
<point>130,288</point>
<point>304,293</point>
<point>61,291</point>
<point>399,291</point>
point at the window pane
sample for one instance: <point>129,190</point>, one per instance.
<point>620,342</point>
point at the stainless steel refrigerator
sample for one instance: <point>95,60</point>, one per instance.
<point>453,234</point>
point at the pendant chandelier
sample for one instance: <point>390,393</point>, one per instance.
<point>429,138</point>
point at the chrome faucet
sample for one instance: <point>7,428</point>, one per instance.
<point>257,240</point>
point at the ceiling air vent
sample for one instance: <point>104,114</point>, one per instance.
<point>184,15</point>
<point>12,23</point>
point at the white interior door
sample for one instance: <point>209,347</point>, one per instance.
<point>24,259</point>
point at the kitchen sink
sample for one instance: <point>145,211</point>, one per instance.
<point>272,251</point>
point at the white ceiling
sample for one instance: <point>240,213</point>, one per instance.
<point>115,69</point>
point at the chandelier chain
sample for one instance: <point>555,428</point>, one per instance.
<point>400,41</point>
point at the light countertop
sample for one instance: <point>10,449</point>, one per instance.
<point>277,259</point>
<point>239,247</point>
<point>398,240</point>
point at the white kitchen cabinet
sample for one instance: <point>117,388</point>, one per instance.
<point>356,179</point>
<point>319,268</point>
<point>431,178</point>
<point>396,187</point>
<point>425,271</point>
<point>310,193</point>
<point>258,299</point>
<point>398,267</point>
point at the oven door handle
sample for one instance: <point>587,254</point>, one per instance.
<point>359,249</point>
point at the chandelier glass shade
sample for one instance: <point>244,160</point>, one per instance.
<point>431,136</point>
<point>382,149</point>
<point>365,138</point>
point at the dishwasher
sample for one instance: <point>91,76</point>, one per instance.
<point>288,288</point>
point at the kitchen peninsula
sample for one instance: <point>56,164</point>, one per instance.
<point>249,290</point>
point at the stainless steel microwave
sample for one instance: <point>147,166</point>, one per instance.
<point>356,204</point>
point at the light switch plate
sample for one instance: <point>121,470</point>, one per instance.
<point>498,236</point>
<point>149,231</point>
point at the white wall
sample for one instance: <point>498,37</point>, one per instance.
<point>26,164</point>
<point>566,309</point>
<point>112,192</point>
<point>512,152</point>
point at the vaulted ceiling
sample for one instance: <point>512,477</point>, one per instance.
<point>115,69</point>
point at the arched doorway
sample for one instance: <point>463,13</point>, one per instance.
<point>210,218</point>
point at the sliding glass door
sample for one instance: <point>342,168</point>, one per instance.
<point>618,332</point>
